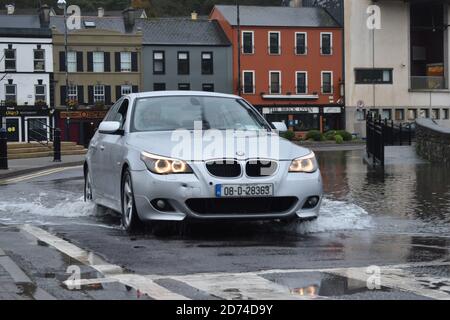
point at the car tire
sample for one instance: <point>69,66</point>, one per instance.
<point>130,218</point>
<point>88,194</point>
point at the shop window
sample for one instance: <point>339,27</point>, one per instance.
<point>399,114</point>
<point>412,114</point>
<point>386,114</point>
<point>306,122</point>
<point>373,76</point>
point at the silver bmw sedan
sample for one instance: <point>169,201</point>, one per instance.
<point>179,155</point>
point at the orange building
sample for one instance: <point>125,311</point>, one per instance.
<point>291,63</point>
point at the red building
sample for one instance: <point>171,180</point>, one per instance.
<point>291,63</point>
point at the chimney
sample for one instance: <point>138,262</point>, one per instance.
<point>296,3</point>
<point>44,16</point>
<point>10,9</point>
<point>101,12</point>
<point>194,15</point>
<point>129,18</point>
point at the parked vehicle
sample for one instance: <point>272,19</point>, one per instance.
<point>134,164</point>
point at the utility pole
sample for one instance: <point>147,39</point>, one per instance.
<point>239,47</point>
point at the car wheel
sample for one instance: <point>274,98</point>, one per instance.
<point>88,197</point>
<point>130,218</point>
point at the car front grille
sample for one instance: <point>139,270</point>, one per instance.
<point>224,168</point>
<point>216,206</point>
<point>257,168</point>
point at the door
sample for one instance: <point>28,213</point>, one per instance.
<point>13,129</point>
<point>37,129</point>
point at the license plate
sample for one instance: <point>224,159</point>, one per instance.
<point>244,190</point>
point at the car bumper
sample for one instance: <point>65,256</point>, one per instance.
<point>178,189</point>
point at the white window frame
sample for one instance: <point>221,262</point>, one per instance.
<point>15,91</point>
<point>331,43</point>
<point>125,66</point>
<point>72,95</point>
<point>97,95</point>
<point>253,41</point>
<point>253,80</point>
<point>37,60</point>
<point>98,66</point>
<point>279,43</point>
<point>72,63</point>
<point>270,82</point>
<point>306,43</point>
<point>9,59</point>
<point>322,84</point>
<point>306,82</point>
<point>126,86</point>
<point>45,92</point>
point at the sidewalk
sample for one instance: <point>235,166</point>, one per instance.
<point>25,166</point>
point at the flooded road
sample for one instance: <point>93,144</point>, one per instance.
<point>397,220</point>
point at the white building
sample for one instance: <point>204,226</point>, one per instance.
<point>26,67</point>
<point>401,70</point>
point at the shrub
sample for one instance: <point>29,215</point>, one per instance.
<point>330,135</point>
<point>315,135</point>
<point>339,139</point>
<point>289,135</point>
<point>347,136</point>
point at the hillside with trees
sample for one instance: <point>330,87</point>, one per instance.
<point>155,8</point>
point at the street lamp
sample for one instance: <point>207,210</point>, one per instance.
<point>62,5</point>
<point>238,20</point>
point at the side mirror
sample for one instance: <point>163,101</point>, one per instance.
<point>110,127</point>
<point>280,126</point>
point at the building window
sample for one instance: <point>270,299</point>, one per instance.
<point>373,76</point>
<point>327,82</point>
<point>99,61</point>
<point>275,82</point>
<point>125,62</point>
<point>184,86</point>
<point>72,93</point>
<point>326,43</point>
<point>399,114</point>
<point>207,63</point>
<point>126,90</point>
<point>247,42</point>
<point>159,87</point>
<point>446,114</point>
<point>424,113</point>
<point>435,114</point>
<point>301,82</point>
<point>209,87</point>
<point>71,61</point>
<point>183,62</point>
<point>386,114</point>
<point>300,43</point>
<point>39,60</point>
<point>159,64</point>
<point>274,42</point>
<point>39,91</point>
<point>10,60</point>
<point>412,114</point>
<point>11,92</point>
<point>99,93</point>
<point>248,82</point>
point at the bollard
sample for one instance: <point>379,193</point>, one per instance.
<point>3,150</point>
<point>57,145</point>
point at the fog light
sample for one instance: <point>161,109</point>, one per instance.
<point>311,203</point>
<point>162,205</point>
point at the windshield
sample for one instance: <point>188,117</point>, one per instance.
<point>181,112</point>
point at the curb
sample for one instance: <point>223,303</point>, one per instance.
<point>19,173</point>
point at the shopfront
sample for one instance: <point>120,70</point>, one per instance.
<point>80,126</point>
<point>305,118</point>
<point>26,123</point>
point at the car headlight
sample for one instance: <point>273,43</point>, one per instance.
<point>163,165</point>
<point>306,164</point>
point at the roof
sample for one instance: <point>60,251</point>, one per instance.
<point>13,26</point>
<point>278,16</point>
<point>105,23</point>
<point>182,31</point>
<point>138,13</point>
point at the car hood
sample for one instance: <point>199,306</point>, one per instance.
<point>189,145</point>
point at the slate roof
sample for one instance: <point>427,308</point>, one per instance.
<point>278,16</point>
<point>27,26</point>
<point>105,23</point>
<point>182,31</point>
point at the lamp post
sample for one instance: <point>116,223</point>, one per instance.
<point>62,4</point>
<point>238,18</point>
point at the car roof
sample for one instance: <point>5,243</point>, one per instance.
<point>151,94</point>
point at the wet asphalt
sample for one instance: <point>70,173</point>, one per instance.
<point>399,216</point>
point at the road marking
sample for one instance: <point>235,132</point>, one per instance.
<point>36,175</point>
<point>138,282</point>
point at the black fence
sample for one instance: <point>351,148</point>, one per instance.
<point>381,133</point>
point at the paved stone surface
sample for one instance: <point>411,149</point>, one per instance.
<point>8,289</point>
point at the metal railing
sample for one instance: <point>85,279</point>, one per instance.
<point>45,139</point>
<point>428,83</point>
